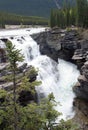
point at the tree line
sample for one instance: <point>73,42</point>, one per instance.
<point>12,19</point>
<point>70,15</point>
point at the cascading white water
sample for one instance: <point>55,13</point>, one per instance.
<point>59,79</point>
<point>2,44</point>
<point>28,47</point>
<point>56,78</point>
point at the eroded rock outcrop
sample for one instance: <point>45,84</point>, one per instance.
<point>58,43</point>
<point>25,96</point>
<point>81,88</point>
<point>67,45</point>
<point>71,46</point>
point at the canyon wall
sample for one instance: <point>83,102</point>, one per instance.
<point>71,46</point>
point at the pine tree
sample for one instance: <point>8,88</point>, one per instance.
<point>52,19</point>
<point>14,56</point>
<point>82,11</point>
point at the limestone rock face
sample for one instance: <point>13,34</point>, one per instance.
<point>68,45</point>
<point>85,69</point>
<point>82,89</point>
<point>58,43</point>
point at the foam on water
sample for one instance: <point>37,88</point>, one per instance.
<point>2,44</point>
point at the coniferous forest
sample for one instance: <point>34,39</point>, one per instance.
<point>70,15</point>
<point>13,19</point>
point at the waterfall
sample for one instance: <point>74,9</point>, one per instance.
<point>2,44</point>
<point>58,78</point>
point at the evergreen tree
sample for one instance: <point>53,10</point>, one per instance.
<point>52,19</point>
<point>68,15</point>
<point>73,16</point>
<point>82,11</point>
<point>66,8</point>
<point>14,56</point>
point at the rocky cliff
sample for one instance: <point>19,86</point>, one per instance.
<point>71,46</point>
<point>58,43</point>
<point>68,45</point>
<point>25,96</point>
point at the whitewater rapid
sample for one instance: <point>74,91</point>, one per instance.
<point>58,78</point>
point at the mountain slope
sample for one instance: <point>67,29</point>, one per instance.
<point>29,7</point>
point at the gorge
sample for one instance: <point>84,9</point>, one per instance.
<point>71,45</point>
<point>56,77</point>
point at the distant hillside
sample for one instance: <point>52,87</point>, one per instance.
<point>12,19</point>
<point>29,7</point>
